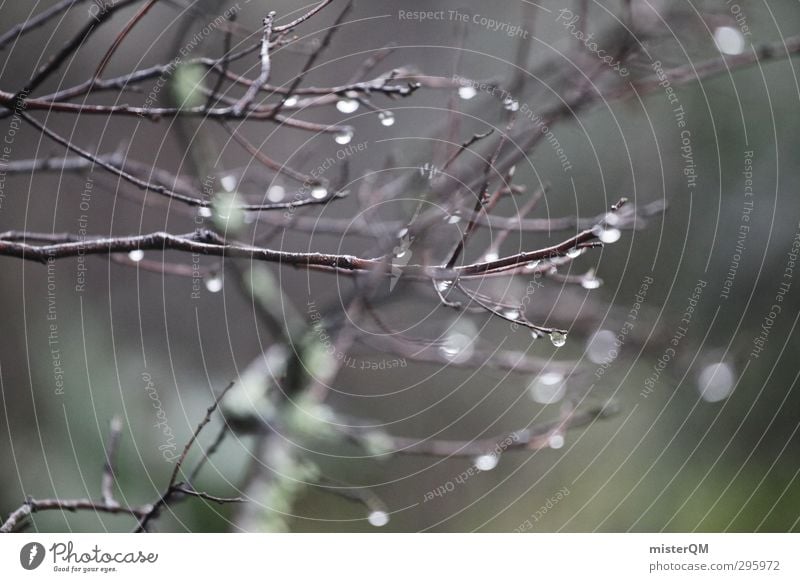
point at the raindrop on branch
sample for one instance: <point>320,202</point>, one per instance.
<point>319,193</point>
<point>574,252</point>
<point>558,339</point>
<point>344,136</point>
<point>136,255</point>
<point>607,235</point>
<point>386,118</point>
<point>511,314</point>
<point>290,101</point>
<point>213,282</point>
<point>590,281</point>
<point>347,106</point>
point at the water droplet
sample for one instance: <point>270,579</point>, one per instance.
<point>347,105</point>
<point>532,265</point>
<point>443,286</point>
<point>489,257</point>
<point>716,382</point>
<point>402,233</point>
<point>511,104</point>
<point>601,347</point>
<point>729,40</point>
<point>574,253</point>
<point>511,171</point>
<point>228,182</point>
<point>378,518</point>
<point>387,118</point>
<point>276,193</point>
<point>556,441</point>
<point>466,92</point>
<point>344,136</point>
<point>213,283</point>
<point>291,101</point>
<point>486,462</point>
<point>558,339</point>
<point>511,314</point>
<point>453,219</point>
<point>535,335</point>
<point>607,235</point>
<point>589,281</point>
<point>547,388</point>
<point>204,212</point>
<point>319,192</point>
<point>136,255</point>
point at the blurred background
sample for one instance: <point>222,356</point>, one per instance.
<point>706,435</point>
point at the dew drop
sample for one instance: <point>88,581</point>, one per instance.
<point>558,339</point>
<point>136,255</point>
<point>511,314</point>
<point>387,118</point>
<point>213,283</point>
<point>319,192</point>
<point>276,193</point>
<point>574,252</point>
<point>347,105</point>
<point>290,101</point>
<point>556,441</point>
<point>344,136</point>
<point>486,462</point>
<point>466,92</point>
<point>378,518</point>
<point>204,212</point>
<point>489,257</point>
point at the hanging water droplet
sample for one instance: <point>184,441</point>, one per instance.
<point>558,339</point>
<point>574,252</point>
<point>276,193</point>
<point>607,235</point>
<point>486,462</point>
<point>347,105</point>
<point>511,314</point>
<point>511,104</point>
<point>547,388</point>
<point>453,219</point>
<point>589,281</point>
<point>319,192</point>
<point>136,255</point>
<point>290,101</point>
<point>344,136</point>
<point>466,92</point>
<point>556,441</point>
<point>535,335</point>
<point>378,518</point>
<point>213,282</point>
<point>228,182</point>
<point>443,286</point>
<point>387,118</point>
<point>532,265</point>
<point>402,233</point>
<point>204,212</point>
<point>489,257</point>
